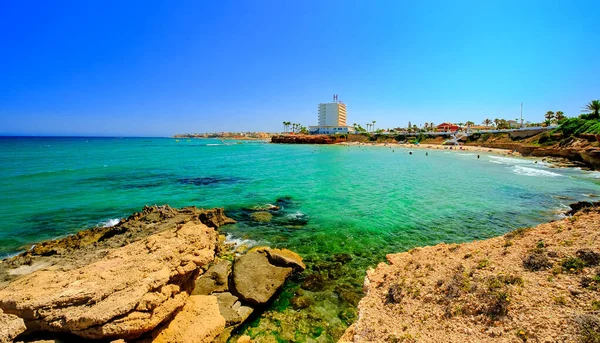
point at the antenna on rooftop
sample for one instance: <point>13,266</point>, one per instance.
<point>335,98</point>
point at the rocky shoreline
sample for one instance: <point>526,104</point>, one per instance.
<point>531,285</point>
<point>161,275</point>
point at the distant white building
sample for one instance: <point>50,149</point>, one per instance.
<point>332,118</point>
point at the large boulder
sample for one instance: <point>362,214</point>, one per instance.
<point>255,280</point>
<point>10,327</point>
<point>123,295</point>
<point>198,322</point>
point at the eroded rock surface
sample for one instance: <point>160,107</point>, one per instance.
<point>198,322</point>
<point>10,327</point>
<point>128,292</point>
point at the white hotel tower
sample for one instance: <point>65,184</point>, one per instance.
<point>332,118</point>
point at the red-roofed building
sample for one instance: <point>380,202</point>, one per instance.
<point>447,127</point>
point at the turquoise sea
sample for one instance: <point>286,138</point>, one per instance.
<point>343,208</point>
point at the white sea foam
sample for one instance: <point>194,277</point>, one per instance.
<point>533,172</point>
<point>509,160</point>
<point>109,222</point>
<point>297,215</point>
<point>229,239</point>
<point>213,144</point>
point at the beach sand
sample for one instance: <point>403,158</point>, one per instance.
<point>472,149</point>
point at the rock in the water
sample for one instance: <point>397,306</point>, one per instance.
<point>314,282</point>
<point>198,322</point>
<point>123,295</point>
<point>10,327</point>
<point>214,280</point>
<point>255,279</point>
<point>263,216</point>
<point>285,258</point>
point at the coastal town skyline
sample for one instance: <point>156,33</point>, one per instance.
<point>240,67</point>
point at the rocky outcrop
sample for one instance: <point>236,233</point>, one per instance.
<point>200,321</point>
<point>307,139</point>
<point>125,294</point>
<point>10,327</point>
<point>535,285</point>
<point>151,278</point>
<point>88,246</point>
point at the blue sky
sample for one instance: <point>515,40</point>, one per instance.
<point>156,68</point>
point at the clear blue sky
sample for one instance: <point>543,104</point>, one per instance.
<point>155,68</point>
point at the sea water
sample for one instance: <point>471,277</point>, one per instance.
<point>343,207</point>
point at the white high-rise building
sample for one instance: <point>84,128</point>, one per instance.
<point>332,118</point>
<point>332,114</point>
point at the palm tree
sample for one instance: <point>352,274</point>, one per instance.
<point>496,122</point>
<point>487,122</point>
<point>594,107</point>
<point>549,115</point>
<point>469,123</point>
<point>559,116</point>
<point>373,127</point>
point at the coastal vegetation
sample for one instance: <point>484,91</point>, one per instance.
<point>535,289</point>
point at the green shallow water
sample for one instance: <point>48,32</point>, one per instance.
<point>361,201</point>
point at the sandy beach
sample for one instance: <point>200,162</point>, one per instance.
<point>462,148</point>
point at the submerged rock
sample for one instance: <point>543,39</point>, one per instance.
<point>314,282</point>
<point>255,279</point>
<point>263,216</point>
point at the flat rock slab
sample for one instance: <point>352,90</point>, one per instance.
<point>255,279</point>
<point>125,294</point>
<point>198,322</point>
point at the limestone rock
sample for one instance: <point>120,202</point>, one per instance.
<point>285,258</point>
<point>214,280</point>
<point>255,279</point>
<point>198,322</point>
<point>10,327</point>
<point>123,295</point>
<point>231,309</point>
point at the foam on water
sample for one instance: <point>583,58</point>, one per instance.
<point>520,170</point>
<point>236,241</point>
<point>109,222</point>
<point>509,160</point>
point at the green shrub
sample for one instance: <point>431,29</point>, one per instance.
<point>576,126</point>
<point>572,264</point>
